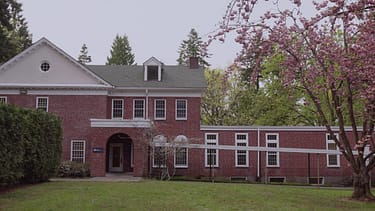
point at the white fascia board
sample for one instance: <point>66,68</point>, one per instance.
<point>272,128</point>
<point>25,85</point>
<point>157,92</point>
<point>120,123</point>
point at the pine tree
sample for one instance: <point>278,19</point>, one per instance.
<point>121,52</point>
<point>192,47</point>
<point>83,56</point>
<point>14,34</point>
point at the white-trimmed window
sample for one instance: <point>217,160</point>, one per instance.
<point>159,155</point>
<point>181,152</point>
<point>181,109</point>
<point>333,160</point>
<point>242,156</point>
<point>160,108</point>
<point>117,108</point>
<point>3,100</point>
<point>42,103</point>
<point>211,155</point>
<point>138,109</point>
<point>273,158</point>
<point>77,151</point>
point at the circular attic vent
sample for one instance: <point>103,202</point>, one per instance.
<point>45,66</point>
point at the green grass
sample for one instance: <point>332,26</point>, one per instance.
<point>158,195</point>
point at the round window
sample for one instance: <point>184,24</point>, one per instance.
<point>44,66</point>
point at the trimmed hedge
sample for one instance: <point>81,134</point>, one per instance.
<point>30,145</point>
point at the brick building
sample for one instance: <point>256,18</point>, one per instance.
<point>106,112</point>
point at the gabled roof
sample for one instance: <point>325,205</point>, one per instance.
<point>131,76</point>
<point>44,41</point>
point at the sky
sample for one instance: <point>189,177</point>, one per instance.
<point>154,27</point>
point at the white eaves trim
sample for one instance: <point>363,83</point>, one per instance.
<point>44,40</point>
<point>271,128</point>
<point>25,85</point>
<point>122,123</point>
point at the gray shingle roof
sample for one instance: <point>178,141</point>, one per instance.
<point>176,76</point>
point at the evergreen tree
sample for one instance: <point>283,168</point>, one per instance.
<point>83,56</point>
<point>193,47</point>
<point>14,34</point>
<point>121,52</point>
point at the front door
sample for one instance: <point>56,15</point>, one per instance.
<point>116,152</point>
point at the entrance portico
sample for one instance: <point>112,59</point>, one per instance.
<point>119,154</point>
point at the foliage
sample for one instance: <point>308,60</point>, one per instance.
<point>193,47</point>
<point>214,109</point>
<point>171,195</point>
<point>73,169</point>
<point>330,56</point>
<point>30,146</point>
<point>83,56</point>
<point>42,146</point>
<point>14,34</point>
<point>12,135</point>
<point>121,52</point>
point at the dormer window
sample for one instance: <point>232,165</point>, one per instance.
<point>152,73</point>
<point>152,70</point>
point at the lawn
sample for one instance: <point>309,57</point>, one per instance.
<point>158,195</point>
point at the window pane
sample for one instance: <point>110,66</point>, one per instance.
<point>181,109</point>
<point>160,109</point>
<point>117,108</point>
<point>139,109</point>
<point>78,151</point>
<point>181,157</point>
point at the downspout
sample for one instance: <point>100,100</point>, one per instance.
<point>258,155</point>
<point>146,103</point>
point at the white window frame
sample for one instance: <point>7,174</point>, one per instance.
<point>211,142</point>
<point>157,109</point>
<point>177,109</point>
<point>84,150</point>
<point>113,109</point>
<point>3,99</point>
<point>242,142</point>
<point>143,116</point>
<point>37,106</point>
<point>181,140</point>
<point>268,153</point>
<point>330,141</point>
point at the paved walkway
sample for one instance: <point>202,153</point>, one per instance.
<point>108,178</point>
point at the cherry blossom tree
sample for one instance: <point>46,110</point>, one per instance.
<point>330,55</point>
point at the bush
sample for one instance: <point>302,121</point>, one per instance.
<point>11,145</point>
<point>73,169</point>
<point>30,145</point>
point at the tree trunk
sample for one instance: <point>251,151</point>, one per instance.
<point>361,185</point>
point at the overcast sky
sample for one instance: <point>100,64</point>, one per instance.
<point>154,27</point>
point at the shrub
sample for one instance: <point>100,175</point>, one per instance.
<point>11,145</point>
<point>73,169</point>
<point>30,145</point>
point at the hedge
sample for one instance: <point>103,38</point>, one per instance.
<point>30,145</point>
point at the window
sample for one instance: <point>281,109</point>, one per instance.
<point>139,109</point>
<point>152,73</point>
<point>77,153</point>
<point>42,103</point>
<point>272,141</point>
<point>181,109</point>
<point>117,108</point>
<point>3,100</point>
<point>333,160</point>
<point>211,155</point>
<point>181,153</point>
<point>242,156</point>
<point>160,109</point>
<point>159,156</point>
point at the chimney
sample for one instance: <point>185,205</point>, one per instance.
<point>193,62</point>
